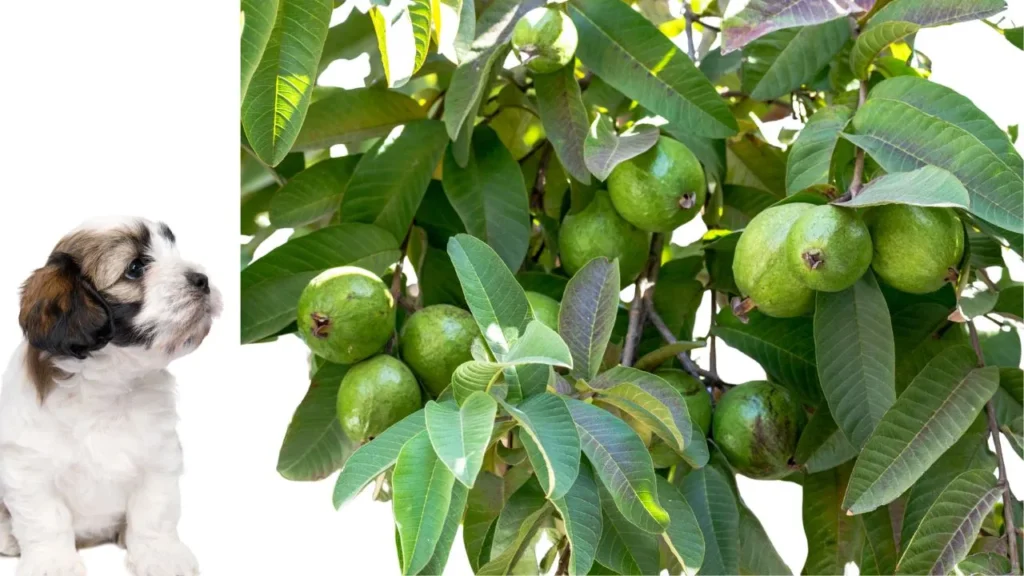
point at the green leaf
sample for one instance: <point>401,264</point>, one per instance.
<point>313,193</point>
<point>784,347</point>
<point>474,376</point>
<point>950,526</point>
<point>604,149</point>
<point>519,521</point>
<point>908,122</point>
<point>782,61</point>
<point>551,441</point>
<point>1011,300</point>
<point>936,12</point>
<point>926,186</point>
<point>988,563</point>
<point>375,457</point>
<point>822,445</point>
<point>753,162</point>
<point>490,196</point>
<point>257,23</point>
<point>1015,36</point>
<point>348,40</point>
<point>539,345</point>
<point>833,538</point>
<point>856,357</point>
<point>633,56</point>
<point>279,92</point>
<point>658,356</point>
<point>1009,417</point>
<point>422,488</point>
<point>710,152</point>
<point>683,534</point>
<point>758,556</point>
<point>352,116</point>
<point>394,23</point>
<point>587,314</point>
<point>460,436</point>
<point>760,17</point>
<point>622,463</point>
<point>874,40</point>
<point>378,193</point>
<point>564,118</point>
<point>467,88</point>
<point>271,285</point>
<point>928,418</point>
<point>623,547</point>
<point>649,399</point>
<point>879,554</point>
<point>810,157</point>
<point>485,502</point>
<point>314,445</point>
<point>457,506</point>
<point>708,493</point>
<point>581,513</point>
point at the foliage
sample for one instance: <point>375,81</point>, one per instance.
<point>448,173</point>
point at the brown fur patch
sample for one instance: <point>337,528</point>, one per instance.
<point>42,371</point>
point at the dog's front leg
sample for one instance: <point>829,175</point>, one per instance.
<point>151,534</point>
<point>43,527</point>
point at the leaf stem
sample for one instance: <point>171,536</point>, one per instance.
<point>993,429</point>
<point>281,181</point>
<point>642,296</point>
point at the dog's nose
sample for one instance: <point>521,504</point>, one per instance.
<point>199,280</point>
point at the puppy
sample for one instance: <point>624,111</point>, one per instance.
<point>89,453</point>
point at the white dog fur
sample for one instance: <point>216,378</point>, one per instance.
<point>89,451</point>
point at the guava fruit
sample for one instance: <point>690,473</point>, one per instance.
<point>346,314</point>
<point>756,426</point>
<point>659,190</point>
<point>698,401</point>
<point>374,394</point>
<point>760,267</point>
<point>829,248</point>
<point>434,341</point>
<point>598,230</point>
<point>916,249</point>
<point>545,309</point>
<point>545,39</point>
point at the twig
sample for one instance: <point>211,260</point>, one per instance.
<point>396,282</point>
<point>698,20</point>
<point>983,275</point>
<point>688,15</point>
<point>563,561</point>
<point>688,364</point>
<point>858,163</point>
<point>712,341</point>
<point>993,429</point>
<point>281,181</point>
<point>643,293</point>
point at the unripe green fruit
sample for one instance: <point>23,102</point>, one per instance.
<point>915,247</point>
<point>698,401</point>
<point>546,39</point>
<point>760,267</point>
<point>545,309</point>
<point>435,341</point>
<point>346,314</point>
<point>659,190</point>
<point>375,394</point>
<point>756,426</point>
<point>598,230</point>
<point>829,248</point>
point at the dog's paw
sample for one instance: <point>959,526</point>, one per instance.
<point>161,558</point>
<point>51,563</point>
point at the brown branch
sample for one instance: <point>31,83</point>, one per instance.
<point>698,20</point>
<point>689,33</point>
<point>643,293</point>
<point>688,364</point>
<point>993,429</point>
<point>712,341</point>
<point>396,283</point>
<point>281,181</point>
<point>563,561</point>
<point>858,163</point>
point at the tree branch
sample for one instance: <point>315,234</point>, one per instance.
<point>643,294</point>
<point>688,364</point>
<point>713,349</point>
<point>858,163</point>
<point>396,282</point>
<point>281,181</point>
<point>563,561</point>
<point>688,15</point>
<point>993,429</point>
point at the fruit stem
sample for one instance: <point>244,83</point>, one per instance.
<point>643,295</point>
<point>858,163</point>
<point>396,282</point>
<point>993,429</point>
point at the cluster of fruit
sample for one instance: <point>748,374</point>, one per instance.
<point>790,251</point>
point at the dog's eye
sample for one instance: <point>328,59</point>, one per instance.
<point>135,269</point>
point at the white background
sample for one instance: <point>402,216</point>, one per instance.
<point>131,108</point>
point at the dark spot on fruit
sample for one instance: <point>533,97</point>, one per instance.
<point>813,258</point>
<point>321,325</point>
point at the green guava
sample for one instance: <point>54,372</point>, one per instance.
<point>760,267</point>
<point>434,341</point>
<point>346,314</point>
<point>545,309</point>
<point>598,230</point>
<point>829,248</point>
<point>545,39</point>
<point>659,190</point>
<point>756,426</point>
<point>375,394</point>
<point>698,401</point>
<point>916,249</point>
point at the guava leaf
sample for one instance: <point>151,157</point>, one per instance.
<point>422,491</point>
<point>271,285</point>
<point>624,548</point>
<point>352,116</point>
<point>650,361</point>
<point>490,197</point>
<point>759,17</point>
<point>714,505</point>
<point>683,534</point>
<point>782,61</point>
<point>314,445</point>
<point>258,18</point>
<point>469,81</point>
<point>810,157</point>
<point>758,556</point>
<point>651,400</point>
<point>751,161</point>
<point>822,445</point>
<point>580,510</point>
<point>874,40</point>
<point>623,464</point>
<point>394,23</point>
<point>1011,298</point>
<point>926,186</point>
<point>587,314</point>
<point>629,53</point>
<point>457,506</point>
<point>984,563</point>
<point>935,12</point>
<point>378,193</point>
<point>833,538</point>
<point>523,516</point>
<point>281,86</point>
<point>485,502</point>
<point>564,118</point>
<point>604,149</point>
<point>375,457</point>
<point>313,193</point>
<point>539,344</point>
<point>856,356</point>
<point>551,441</point>
<point>460,435</point>
<point>879,553</point>
<point>475,376</point>
<point>926,420</point>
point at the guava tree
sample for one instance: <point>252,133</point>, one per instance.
<point>501,326</point>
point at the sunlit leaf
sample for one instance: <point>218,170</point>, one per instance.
<point>352,116</point>
<point>565,119</point>
<point>313,193</point>
<point>927,186</point>
<point>314,445</point>
<point>874,40</point>
<point>460,435</point>
<point>551,441</point>
<point>422,487</point>
<point>810,157</point>
<point>375,457</point>
<point>782,61</point>
<point>258,18</point>
<point>604,149</point>
<point>683,534</point>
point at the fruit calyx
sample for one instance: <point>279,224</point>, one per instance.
<point>740,308</point>
<point>687,200</point>
<point>813,259</point>
<point>321,325</point>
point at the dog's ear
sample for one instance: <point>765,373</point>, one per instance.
<point>62,313</point>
